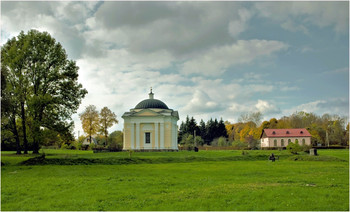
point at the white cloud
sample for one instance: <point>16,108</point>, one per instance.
<point>201,103</point>
<point>338,106</point>
<point>321,14</point>
<point>236,27</point>
<point>267,108</point>
<point>181,28</point>
<point>344,70</point>
<point>215,61</point>
<point>293,27</point>
<point>306,49</point>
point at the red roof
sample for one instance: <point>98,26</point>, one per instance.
<point>302,132</point>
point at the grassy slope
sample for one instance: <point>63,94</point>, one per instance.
<point>214,185</point>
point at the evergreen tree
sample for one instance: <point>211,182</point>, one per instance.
<point>181,132</point>
<point>202,129</point>
<point>210,131</point>
<point>222,129</point>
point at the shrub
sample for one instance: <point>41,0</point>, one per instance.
<point>92,146</point>
<point>294,148</point>
<point>187,142</point>
<point>305,148</point>
<point>198,140</point>
<point>240,144</point>
<point>222,141</point>
<point>64,146</point>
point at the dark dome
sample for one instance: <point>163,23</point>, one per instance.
<point>151,103</point>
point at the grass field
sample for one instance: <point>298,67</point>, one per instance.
<point>206,180</point>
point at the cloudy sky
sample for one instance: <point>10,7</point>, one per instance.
<point>204,59</point>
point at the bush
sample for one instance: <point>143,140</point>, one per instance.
<point>92,146</point>
<point>198,140</point>
<point>187,142</point>
<point>305,148</point>
<point>240,144</point>
<point>294,148</point>
<point>64,146</point>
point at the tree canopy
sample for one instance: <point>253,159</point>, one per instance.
<point>90,120</point>
<point>107,120</point>
<point>42,89</point>
<point>94,122</point>
<point>207,131</point>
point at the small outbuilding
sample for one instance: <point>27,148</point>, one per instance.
<point>87,141</point>
<point>282,137</point>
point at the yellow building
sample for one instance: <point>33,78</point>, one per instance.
<point>150,126</point>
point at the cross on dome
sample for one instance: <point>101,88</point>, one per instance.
<point>151,95</point>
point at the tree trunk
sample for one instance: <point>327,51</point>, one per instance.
<point>36,137</point>
<point>35,147</point>
<point>106,140</point>
<point>23,116</point>
<point>15,132</point>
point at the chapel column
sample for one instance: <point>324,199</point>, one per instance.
<point>137,135</point>
<point>132,140</point>
<point>156,144</point>
<point>161,135</point>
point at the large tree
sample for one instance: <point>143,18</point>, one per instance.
<point>90,120</point>
<point>44,82</point>
<point>107,120</point>
<point>9,111</point>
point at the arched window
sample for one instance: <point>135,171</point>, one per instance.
<point>296,141</point>
<point>275,142</point>
<point>282,142</point>
<point>303,141</point>
<point>289,141</point>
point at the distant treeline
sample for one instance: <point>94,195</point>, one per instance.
<point>207,131</point>
<point>325,130</point>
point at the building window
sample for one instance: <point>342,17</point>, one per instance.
<point>303,141</point>
<point>296,141</point>
<point>289,141</point>
<point>282,142</point>
<point>148,138</point>
<point>275,142</point>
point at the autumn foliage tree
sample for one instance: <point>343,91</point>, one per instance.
<point>107,120</point>
<point>90,120</point>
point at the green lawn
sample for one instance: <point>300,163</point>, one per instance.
<point>252,183</point>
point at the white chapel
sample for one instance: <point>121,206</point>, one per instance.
<point>150,126</point>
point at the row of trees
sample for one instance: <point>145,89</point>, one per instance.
<point>39,90</point>
<point>325,130</point>
<point>204,133</point>
<point>94,122</point>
